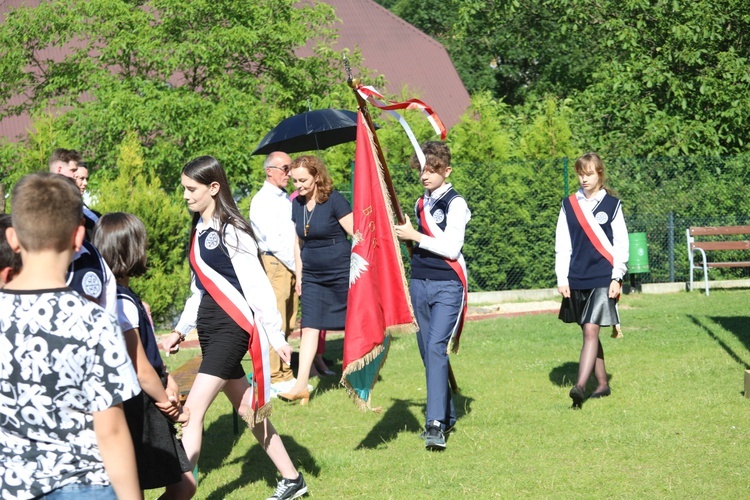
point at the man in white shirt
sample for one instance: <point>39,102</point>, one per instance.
<point>271,218</point>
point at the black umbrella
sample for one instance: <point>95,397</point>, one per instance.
<point>313,130</point>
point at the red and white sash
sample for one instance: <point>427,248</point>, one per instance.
<point>601,243</point>
<point>430,228</point>
<point>593,230</point>
<point>234,304</point>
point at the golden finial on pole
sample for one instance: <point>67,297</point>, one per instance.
<point>353,82</point>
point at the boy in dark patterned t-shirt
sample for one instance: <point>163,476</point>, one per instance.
<point>64,369</point>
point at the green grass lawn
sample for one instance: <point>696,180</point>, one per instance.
<point>677,424</point>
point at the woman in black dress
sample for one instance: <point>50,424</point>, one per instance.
<point>322,252</point>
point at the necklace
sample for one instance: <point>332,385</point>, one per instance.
<point>307,216</point>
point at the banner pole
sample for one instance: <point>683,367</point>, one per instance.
<point>362,105</point>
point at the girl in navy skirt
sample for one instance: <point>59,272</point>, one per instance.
<point>160,457</point>
<point>591,254</point>
<point>234,309</point>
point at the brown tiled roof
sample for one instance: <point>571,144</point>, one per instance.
<point>404,55</point>
<point>14,127</point>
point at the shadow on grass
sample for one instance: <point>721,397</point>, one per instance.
<point>400,418</point>
<point>566,375</point>
<point>334,352</point>
<point>218,441</point>
<point>736,325</point>
<point>333,355</point>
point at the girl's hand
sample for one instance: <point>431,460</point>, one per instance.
<point>614,289</point>
<point>173,395</point>
<point>285,353</point>
<point>171,344</point>
<point>564,291</point>
<point>298,286</point>
<point>169,408</point>
<point>184,417</point>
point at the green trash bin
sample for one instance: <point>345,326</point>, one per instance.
<point>638,258</point>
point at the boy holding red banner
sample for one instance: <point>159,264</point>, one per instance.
<point>438,283</point>
<point>591,255</point>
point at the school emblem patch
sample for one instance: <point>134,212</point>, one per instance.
<point>438,215</point>
<point>91,284</point>
<point>212,240</point>
<point>601,218</point>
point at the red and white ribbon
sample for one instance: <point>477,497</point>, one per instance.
<point>376,99</point>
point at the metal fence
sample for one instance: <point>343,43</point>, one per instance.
<point>510,239</point>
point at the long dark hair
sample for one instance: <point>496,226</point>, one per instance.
<point>121,239</point>
<point>207,170</point>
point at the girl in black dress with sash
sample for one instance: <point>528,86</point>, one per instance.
<point>322,253</point>
<point>234,309</point>
<point>591,255</point>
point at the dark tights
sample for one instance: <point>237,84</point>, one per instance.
<point>592,358</point>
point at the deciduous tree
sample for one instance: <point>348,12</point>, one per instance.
<point>189,77</point>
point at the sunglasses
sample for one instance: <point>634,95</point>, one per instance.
<point>283,168</point>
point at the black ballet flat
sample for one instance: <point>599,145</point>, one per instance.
<point>576,394</point>
<point>601,394</point>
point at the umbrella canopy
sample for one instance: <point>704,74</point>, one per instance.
<point>309,131</point>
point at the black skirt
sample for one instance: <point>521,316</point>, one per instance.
<point>590,306</point>
<point>223,342</point>
<point>325,285</point>
<point>160,456</point>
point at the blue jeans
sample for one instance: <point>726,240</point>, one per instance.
<point>79,491</point>
<point>437,306</point>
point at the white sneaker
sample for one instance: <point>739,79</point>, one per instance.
<point>286,386</point>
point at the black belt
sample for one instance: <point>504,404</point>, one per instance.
<point>325,242</point>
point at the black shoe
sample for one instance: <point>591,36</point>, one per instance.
<point>423,434</point>
<point>601,394</point>
<point>290,488</point>
<point>434,438</point>
<point>576,394</point>
<point>448,430</point>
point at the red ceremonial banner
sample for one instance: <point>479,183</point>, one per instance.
<point>378,300</point>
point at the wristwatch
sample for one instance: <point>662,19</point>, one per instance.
<point>619,280</point>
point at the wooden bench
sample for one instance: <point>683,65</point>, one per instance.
<point>185,375</point>
<point>706,246</point>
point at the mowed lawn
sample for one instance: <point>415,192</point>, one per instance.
<point>677,424</point>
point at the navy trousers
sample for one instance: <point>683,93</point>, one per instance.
<point>437,305</point>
